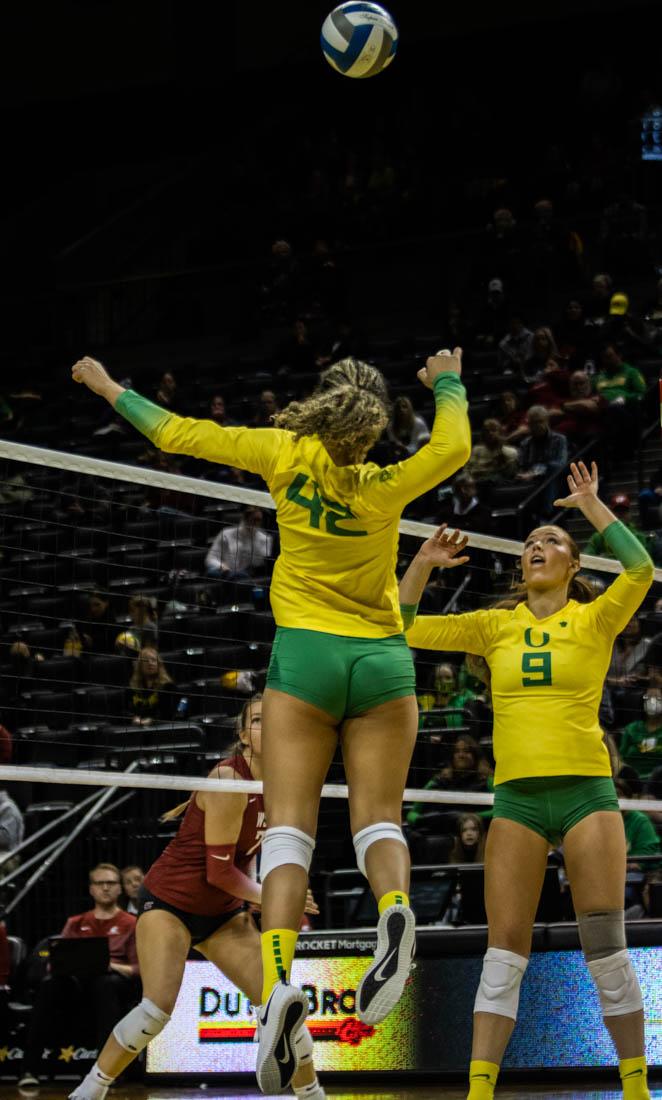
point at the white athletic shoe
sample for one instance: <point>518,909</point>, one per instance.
<point>90,1089</point>
<point>382,985</point>
<point>278,1024</point>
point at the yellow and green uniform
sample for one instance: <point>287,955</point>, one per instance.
<point>338,524</point>
<point>547,674</point>
<point>641,747</point>
<point>335,576</point>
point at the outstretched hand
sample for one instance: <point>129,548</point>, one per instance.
<point>92,374</point>
<point>444,362</point>
<point>582,485</point>
<point>443,547</point>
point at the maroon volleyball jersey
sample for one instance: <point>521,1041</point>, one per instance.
<point>179,875</point>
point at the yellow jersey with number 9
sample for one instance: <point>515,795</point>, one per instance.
<point>338,525</point>
<point>547,675</point>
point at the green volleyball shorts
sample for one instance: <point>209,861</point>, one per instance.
<point>552,804</point>
<point>343,676</point>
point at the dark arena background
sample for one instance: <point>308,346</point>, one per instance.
<point>192,196</point>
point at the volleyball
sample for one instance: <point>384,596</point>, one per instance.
<point>359,39</point>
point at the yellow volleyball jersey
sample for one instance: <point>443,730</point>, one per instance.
<point>547,675</point>
<point>338,524</point>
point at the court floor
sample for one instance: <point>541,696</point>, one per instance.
<point>424,1091</point>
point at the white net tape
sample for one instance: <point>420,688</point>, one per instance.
<point>98,467</point>
<point>248,786</point>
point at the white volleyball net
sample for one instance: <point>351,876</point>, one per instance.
<point>104,562</point>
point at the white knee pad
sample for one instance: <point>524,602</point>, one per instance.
<point>140,1026</point>
<point>304,1045</point>
<point>285,844</point>
<point>383,830</point>
<point>501,977</point>
<point>618,985</point>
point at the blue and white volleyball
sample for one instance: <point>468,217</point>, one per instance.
<point>359,39</point>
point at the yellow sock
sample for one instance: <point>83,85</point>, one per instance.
<point>277,954</point>
<point>394,897</point>
<point>482,1079</point>
<point>634,1078</point>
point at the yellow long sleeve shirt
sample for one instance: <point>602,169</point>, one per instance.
<point>547,674</point>
<point>338,524</point>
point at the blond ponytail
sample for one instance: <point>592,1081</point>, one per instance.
<point>349,409</point>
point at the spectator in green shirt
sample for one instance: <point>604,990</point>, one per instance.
<point>641,838</point>
<point>446,694</point>
<point>641,741</point>
<point>622,387</point>
<point>618,382</point>
<point>621,506</point>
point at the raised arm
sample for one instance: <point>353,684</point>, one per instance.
<point>464,633</point>
<point>254,449</point>
<point>615,607</point>
<point>449,446</point>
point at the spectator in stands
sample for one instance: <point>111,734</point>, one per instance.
<point>516,346</point>
<point>462,505</point>
<point>12,828</point>
<point>95,630</point>
<point>238,552</point>
<point>108,997</point>
<point>550,390</point>
<point>150,697</point>
<point>268,407</point>
<point>407,430</point>
<point>543,348</point>
<point>469,844</point>
<point>445,695</point>
<point>641,741</point>
<point>572,338</point>
<point>623,387</point>
<point>623,328</point>
<point>629,666</point>
<point>166,390</point>
<point>511,417</point>
<point>596,312</point>
<point>542,454</point>
<point>468,771</point>
<point>621,505</point>
<point>493,320</point>
<point>582,413</point>
<point>18,675</point>
<point>640,836</point>
<point>492,460</point>
<point>132,879</point>
<point>144,619</point>
<point>650,500</point>
<point>218,412</point>
<point>647,907</point>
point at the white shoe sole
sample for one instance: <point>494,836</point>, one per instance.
<point>277,1058</point>
<point>382,985</point>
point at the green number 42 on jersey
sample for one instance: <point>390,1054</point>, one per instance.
<point>321,509</point>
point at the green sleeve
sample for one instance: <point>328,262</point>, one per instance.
<point>387,491</point>
<point>625,546</point>
<point>419,808</point>
<point>254,449</point>
<point>408,612</point>
<point>612,610</point>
